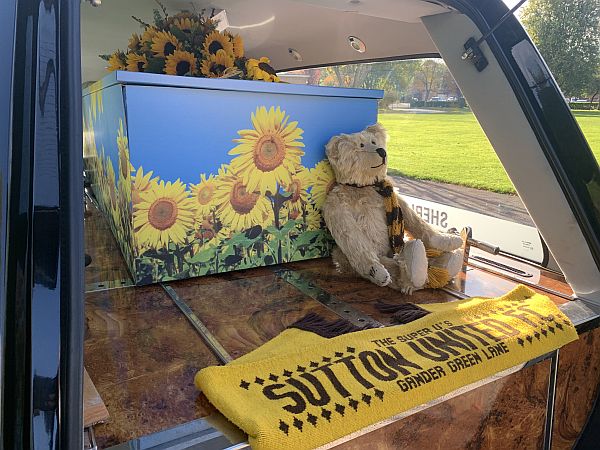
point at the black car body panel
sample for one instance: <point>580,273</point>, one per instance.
<point>42,378</point>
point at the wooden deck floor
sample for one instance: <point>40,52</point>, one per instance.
<point>142,352</point>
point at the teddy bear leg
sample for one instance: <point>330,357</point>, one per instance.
<point>340,262</point>
<point>400,281</point>
<point>451,261</point>
<point>408,268</point>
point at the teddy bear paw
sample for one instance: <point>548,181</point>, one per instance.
<point>446,242</point>
<point>408,290</point>
<point>380,276</point>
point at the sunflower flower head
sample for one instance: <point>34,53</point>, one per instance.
<point>240,208</point>
<point>112,182</point>
<point>297,189</point>
<point>238,44</point>
<point>135,43</point>
<point>207,233</point>
<point>141,182</point>
<point>204,193</point>
<point>215,42</point>
<point>313,218</point>
<point>181,63</point>
<point>147,37</point>
<point>269,153</point>
<point>123,149</point>
<point>164,44</point>
<point>260,69</point>
<point>185,24</point>
<point>136,62</point>
<point>164,215</point>
<point>218,65</point>
<point>117,61</point>
<point>323,181</point>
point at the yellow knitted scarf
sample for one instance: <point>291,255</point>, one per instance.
<point>436,276</point>
<point>393,214</point>
<point>301,390</point>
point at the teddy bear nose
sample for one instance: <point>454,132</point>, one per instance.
<point>381,152</point>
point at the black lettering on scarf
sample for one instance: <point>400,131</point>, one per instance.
<point>523,316</point>
<point>347,361</point>
<point>326,369</point>
<point>485,332</point>
<point>297,407</point>
<point>386,374</point>
<point>461,339</point>
<point>323,396</point>
<point>398,362</point>
<point>504,329</point>
<point>421,347</point>
<point>446,343</point>
<point>463,329</point>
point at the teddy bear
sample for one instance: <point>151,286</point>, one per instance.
<point>368,220</point>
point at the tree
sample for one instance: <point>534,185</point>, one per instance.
<point>395,75</point>
<point>429,76</point>
<point>567,34</point>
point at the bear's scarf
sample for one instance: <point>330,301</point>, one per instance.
<point>393,214</point>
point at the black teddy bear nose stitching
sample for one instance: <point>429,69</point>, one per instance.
<point>381,152</point>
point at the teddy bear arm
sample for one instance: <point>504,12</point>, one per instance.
<point>420,229</point>
<point>361,257</point>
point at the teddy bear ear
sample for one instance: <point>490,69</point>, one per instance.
<point>332,148</point>
<point>379,131</point>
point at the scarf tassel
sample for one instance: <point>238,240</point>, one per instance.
<point>317,324</point>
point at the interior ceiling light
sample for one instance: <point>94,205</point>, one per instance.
<point>295,54</point>
<point>357,44</point>
<point>95,2</point>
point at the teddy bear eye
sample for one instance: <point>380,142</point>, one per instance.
<point>362,145</point>
<point>373,142</point>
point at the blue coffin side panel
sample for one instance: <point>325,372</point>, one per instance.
<point>201,176</point>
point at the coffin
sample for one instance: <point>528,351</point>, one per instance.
<point>200,176</point>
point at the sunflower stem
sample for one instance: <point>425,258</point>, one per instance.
<point>277,202</point>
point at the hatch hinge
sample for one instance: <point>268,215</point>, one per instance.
<point>473,52</point>
<point>472,47</point>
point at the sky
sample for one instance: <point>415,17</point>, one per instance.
<point>511,3</point>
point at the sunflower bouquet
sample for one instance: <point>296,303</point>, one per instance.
<point>188,44</point>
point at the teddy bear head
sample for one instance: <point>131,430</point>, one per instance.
<point>359,158</point>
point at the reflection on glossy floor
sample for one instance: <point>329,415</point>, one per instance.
<point>107,264</point>
<point>142,352</point>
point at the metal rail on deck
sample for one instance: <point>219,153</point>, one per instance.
<point>341,308</point>
<point>204,332</point>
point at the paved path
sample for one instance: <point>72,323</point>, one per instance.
<point>418,111</point>
<point>503,206</point>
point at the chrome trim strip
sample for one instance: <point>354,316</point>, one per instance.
<point>551,400</point>
<point>107,285</point>
<point>197,434</point>
<point>204,332</point>
<point>341,308</point>
<point>453,292</point>
<point>521,281</point>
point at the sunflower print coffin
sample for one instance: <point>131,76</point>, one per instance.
<point>198,176</point>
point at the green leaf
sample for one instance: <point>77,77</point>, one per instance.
<point>155,65</point>
<point>203,256</point>
<point>180,35</point>
<point>289,225</point>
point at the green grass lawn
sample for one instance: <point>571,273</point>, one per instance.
<point>452,148</point>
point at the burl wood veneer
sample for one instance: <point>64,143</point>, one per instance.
<point>505,414</point>
<point>244,313</point>
<point>142,354</point>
